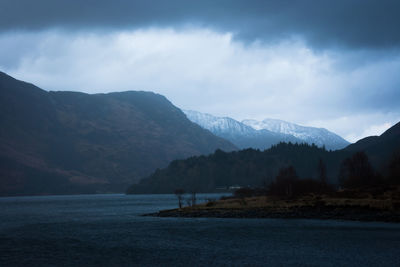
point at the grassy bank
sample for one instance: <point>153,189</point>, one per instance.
<point>345,205</point>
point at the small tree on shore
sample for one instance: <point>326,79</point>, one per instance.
<point>179,194</point>
<point>191,201</point>
<point>194,198</point>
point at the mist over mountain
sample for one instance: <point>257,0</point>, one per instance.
<point>70,142</point>
<point>264,134</point>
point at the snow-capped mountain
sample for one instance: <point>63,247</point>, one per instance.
<point>263,134</point>
<point>240,134</point>
<point>318,136</point>
<point>219,125</point>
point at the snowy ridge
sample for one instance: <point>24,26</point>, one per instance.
<point>318,136</point>
<point>263,134</point>
<point>242,135</point>
<point>219,124</point>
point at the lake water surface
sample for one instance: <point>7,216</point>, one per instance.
<point>107,230</point>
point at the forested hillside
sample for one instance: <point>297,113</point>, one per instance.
<point>256,168</point>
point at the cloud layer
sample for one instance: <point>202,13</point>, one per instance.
<point>352,92</point>
<point>341,23</point>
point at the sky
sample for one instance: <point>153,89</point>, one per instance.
<point>331,64</point>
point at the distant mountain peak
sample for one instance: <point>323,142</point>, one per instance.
<point>263,134</point>
<point>318,136</point>
<point>218,124</point>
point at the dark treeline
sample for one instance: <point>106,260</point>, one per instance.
<point>356,175</point>
<point>288,184</point>
<point>357,172</point>
<point>370,161</point>
<point>245,168</point>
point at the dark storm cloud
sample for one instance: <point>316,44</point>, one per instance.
<point>349,23</point>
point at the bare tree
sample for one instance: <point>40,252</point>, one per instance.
<point>193,198</point>
<point>179,194</point>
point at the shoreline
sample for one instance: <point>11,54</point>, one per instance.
<point>332,213</point>
<point>307,208</point>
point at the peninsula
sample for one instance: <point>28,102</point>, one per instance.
<point>341,205</point>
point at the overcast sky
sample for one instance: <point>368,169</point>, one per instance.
<point>332,64</point>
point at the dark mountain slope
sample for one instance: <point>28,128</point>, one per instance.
<point>68,142</point>
<point>379,148</point>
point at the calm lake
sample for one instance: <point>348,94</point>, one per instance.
<point>107,230</point>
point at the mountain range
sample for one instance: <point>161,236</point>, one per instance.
<point>264,134</point>
<point>70,142</point>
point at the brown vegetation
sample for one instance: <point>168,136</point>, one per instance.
<point>345,204</point>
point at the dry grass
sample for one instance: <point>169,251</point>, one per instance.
<point>381,202</point>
